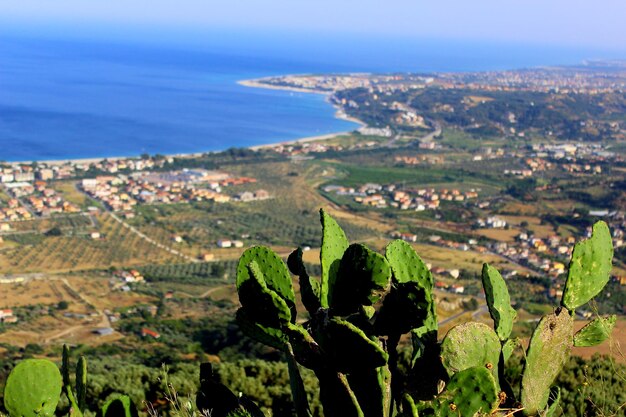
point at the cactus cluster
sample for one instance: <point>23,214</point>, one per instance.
<point>365,302</point>
<point>358,311</point>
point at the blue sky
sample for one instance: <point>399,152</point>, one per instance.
<point>573,23</point>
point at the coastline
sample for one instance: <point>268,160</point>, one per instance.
<point>253,83</point>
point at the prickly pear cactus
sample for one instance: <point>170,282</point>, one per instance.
<point>348,347</point>
<point>362,278</point>
<point>470,345</point>
<point>266,305</point>
<point>589,268</point>
<point>407,266</point>
<point>595,332</point>
<point>548,351</point>
<point>81,383</point>
<point>121,406</point>
<point>33,389</point>
<point>499,301</point>
<point>508,348</point>
<point>78,399</point>
<point>409,304</point>
<point>267,335</point>
<point>309,287</point>
<point>272,268</point>
<point>555,399</point>
<point>334,244</point>
<point>470,392</point>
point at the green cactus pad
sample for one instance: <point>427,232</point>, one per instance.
<point>213,396</point>
<point>372,388</point>
<point>553,405</point>
<point>334,244</point>
<point>550,343</point>
<point>470,345</point>
<point>270,336</point>
<point>470,392</point>
<point>33,389</point>
<point>121,406</point>
<point>304,347</point>
<point>265,305</point>
<point>508,348</point>
<point>499,301</point>
<point>240,412</point>
<point>595,332</point>
<point>589,268</point>
<point>363,277</point>
<point>409,409</point>
<point>407,266</point>
<point>81,383</point>
<point>406,307</point>
<point>274,271</point>
<point>67,386</point>
<point>309,287</point>
<point>347,346</point>
<point>250,407</point>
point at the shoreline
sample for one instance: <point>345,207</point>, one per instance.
<point>253,83</point>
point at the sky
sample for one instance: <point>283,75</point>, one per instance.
<point>572,23</point>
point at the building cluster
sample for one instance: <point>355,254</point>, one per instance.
<point>417,199</point>
<point>123,192</point>
<point>12,212</point>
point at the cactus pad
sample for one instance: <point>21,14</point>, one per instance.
<point>499,301</point>
<point>270,336</point>
<point>550,344</point>
<point>348,348</point>
<point>372,390</point>
<point>407,266</point>
<point>334,244</point>
<point>404,308</point>
<point>121,406</point>
<point>508,347</point>
<point>213,396</point>
<point>265,305</point>
<point>273,269</point>
<point>309,287</point>
<point>363,277</point>
<point>33,389</point>
<point>468,393</point>
<point>589,268</point>
<point>595,332</point>
<point>554,403</point>
<point>470,345</point>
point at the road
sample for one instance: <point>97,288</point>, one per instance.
<point>424,139</point>
<point>480,310</point>
<point>150,240</point>
<point>138,233</point>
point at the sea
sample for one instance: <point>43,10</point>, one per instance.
<point>76,97</point>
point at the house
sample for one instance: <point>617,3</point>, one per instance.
<point>207,257</point>
<point>103,331</point>
<point>245,196</point>
<point>224,243</point>
<point>261,195</point>
<point>147,332</point>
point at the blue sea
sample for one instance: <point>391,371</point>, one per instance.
<point>85,98</point>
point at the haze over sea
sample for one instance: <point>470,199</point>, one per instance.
<point>86,98</point>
